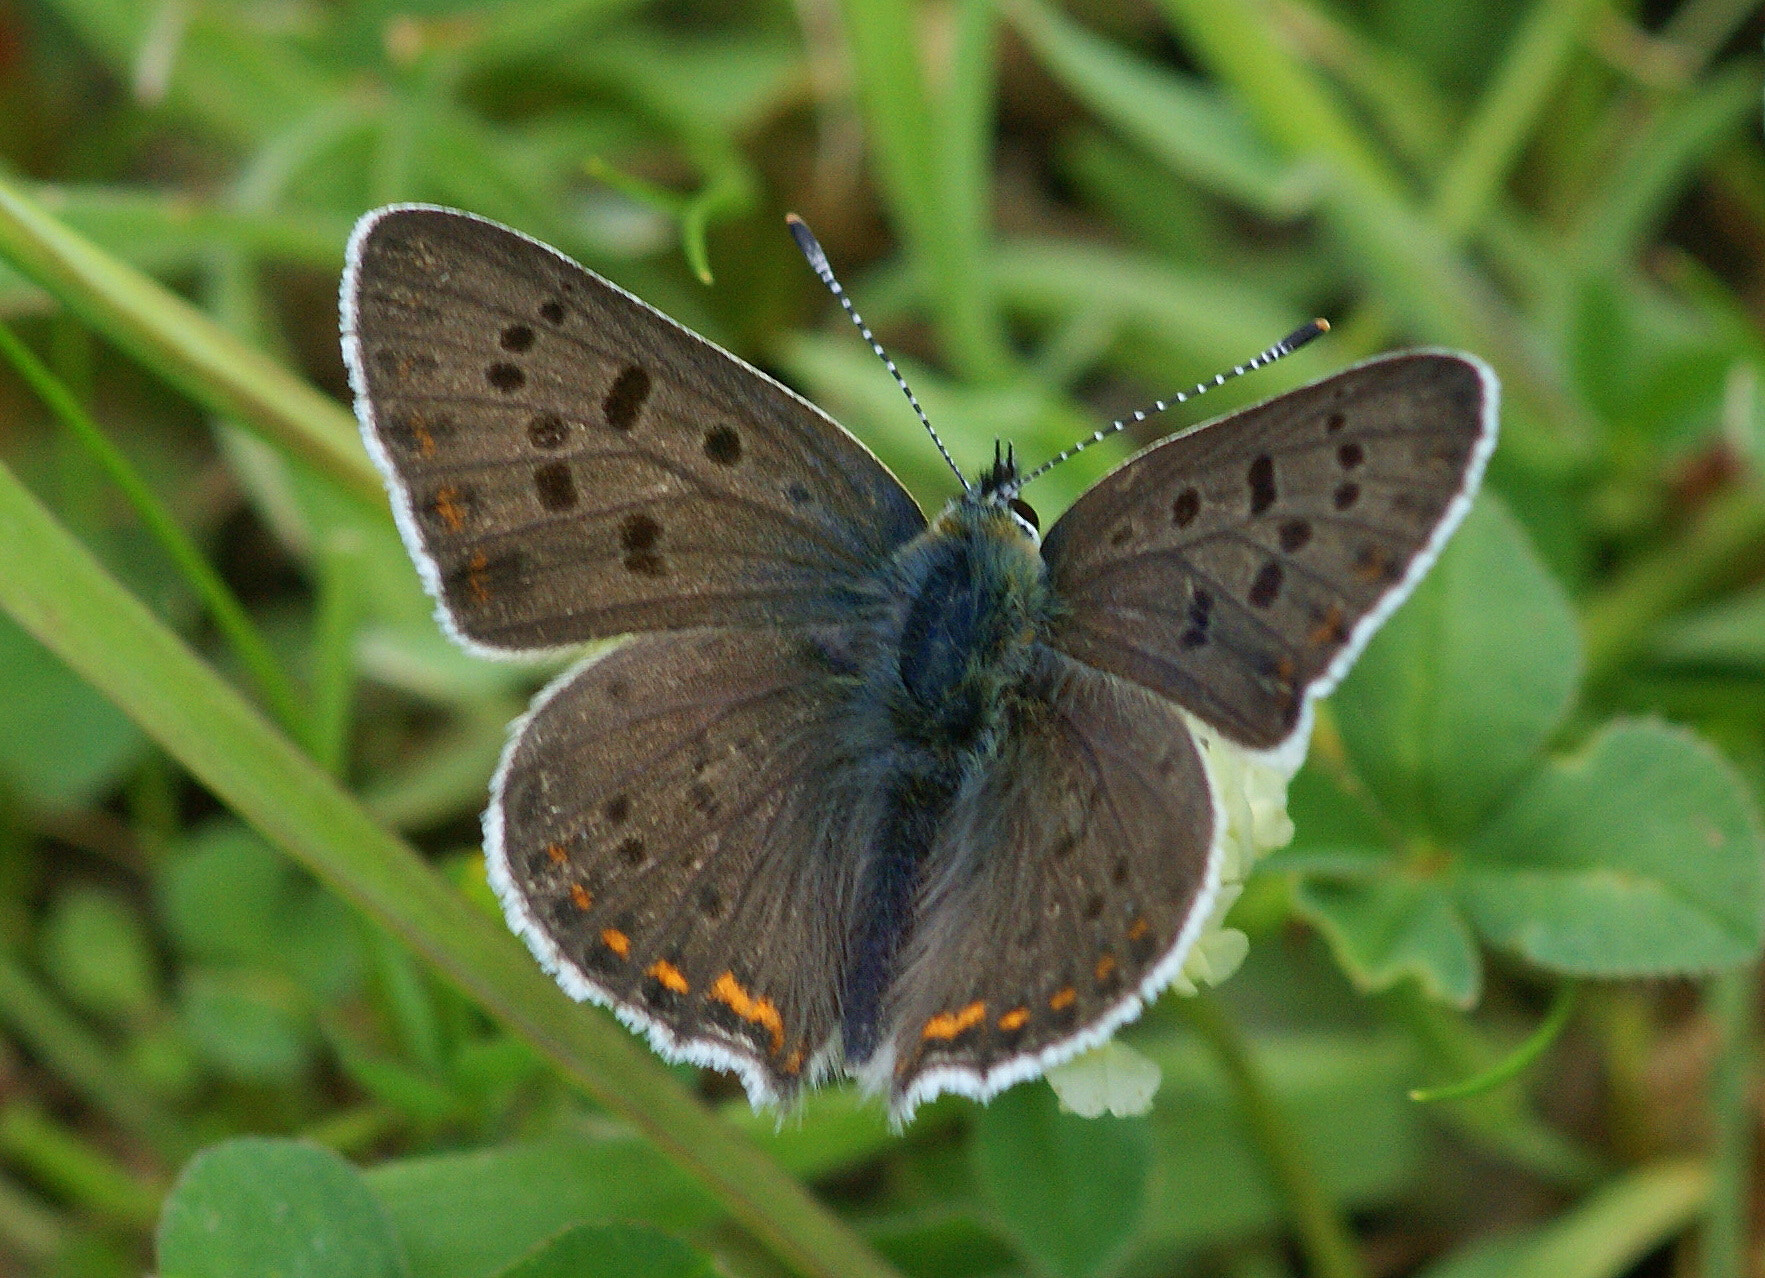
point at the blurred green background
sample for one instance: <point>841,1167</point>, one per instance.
<point>246,1029</point>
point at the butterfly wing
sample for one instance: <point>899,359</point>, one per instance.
<point>661,835</point>
<point>1075,874</point>
<point>567,463</point>
<point>1239,568</point>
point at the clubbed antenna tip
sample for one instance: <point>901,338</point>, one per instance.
<point>1286,346</point>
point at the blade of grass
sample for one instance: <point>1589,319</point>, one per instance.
<point>1323,1234</point>
<point>1723,546</point>
<point>1187,126</point>
<point>175,340</point>
<point>53,587</point>
<point>1506,113</point>
<point>1732,998</point>
<point>265,672</point>
<point>1402,254</point>
<point>916,161</point>
<point>87,1176</point>
<point>1658,161</point>
<point>58,1039</point>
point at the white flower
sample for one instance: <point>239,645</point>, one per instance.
<point>1111,1078</point>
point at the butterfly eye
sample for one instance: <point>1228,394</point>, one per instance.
<point>1026,512</point>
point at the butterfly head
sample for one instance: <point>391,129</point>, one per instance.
<point>998,487</point>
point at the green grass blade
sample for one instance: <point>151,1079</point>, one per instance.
<point>230,618</point>
<point>182,345</point>
<point>1505,115</point>
<point>1641,187</point>
<point>53,587</point>
<point>932,164</point>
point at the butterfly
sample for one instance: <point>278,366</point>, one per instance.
<point>919,801</point>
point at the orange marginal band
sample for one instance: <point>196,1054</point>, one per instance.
<point>761,1011</point>
<point>950,1024</point>
<point>669,975</point>
<point>1015,1019</point>
<point>616,941</point>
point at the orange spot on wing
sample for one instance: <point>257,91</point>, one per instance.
<point>616,941</point>
<point>1063,998</point>
<point>1105,966</point>
<point>583,898</point>
<point>950,1024</point>
<point>668,975</point>
<point>1138,928</point>
<point>1015,1019</point>
<point>1372,564</point>
<point>556,852</point>
<point>1329,630</point>
<point>761,1011</point>
<point>477,577</point>
<point>425,441</point>
<point>447,505</point>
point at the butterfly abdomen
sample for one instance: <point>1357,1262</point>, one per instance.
<point>969,605</point>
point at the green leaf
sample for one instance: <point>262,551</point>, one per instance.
<point>629,1251</point>
<point>460,1215</point>
<point>1396,926</point>
<point>62,745</point>
<point>1068,1190</point>
<point>1641,856</point>
<point>1456,695</point>
<point>96,949</point>
<point>259,1208</point>
<point>1730,633</point>
<point>249,1025</point>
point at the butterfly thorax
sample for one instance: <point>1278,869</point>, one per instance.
<point>972,601</point>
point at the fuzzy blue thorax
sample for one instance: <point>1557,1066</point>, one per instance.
<point>967,604</point>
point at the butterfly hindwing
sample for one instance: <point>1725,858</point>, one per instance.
<point>567,463</point>
<point>659,834</point>
<point>1066,886</point>
<point>1239,567</point>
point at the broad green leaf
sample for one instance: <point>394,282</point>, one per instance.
<point>62,745</point>
<point>1399,925</point>
<point>466,1215</point>
<point>227,897</point>
<point>1640,856</point>
<point>251,1026</point>
<point>1457,694</point>
<point>96,949</point>
<point>628,1251</point>
<point>471,1214</point>
<point>261,1208</point>
<point>1068,1190</point>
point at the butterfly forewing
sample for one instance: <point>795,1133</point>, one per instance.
<point>1066,886</point>
<point>660,832</point>
<point>569,464</point>
<point>1239,567</point>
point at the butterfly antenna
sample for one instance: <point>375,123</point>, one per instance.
<point>812,250</point>
<point>1286,346</point>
